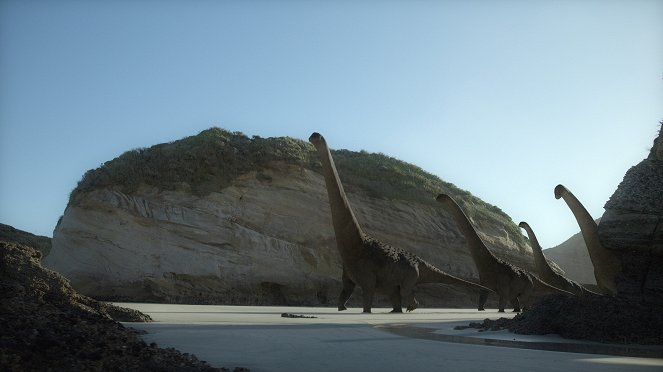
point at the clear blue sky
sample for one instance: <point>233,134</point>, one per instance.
<point>505,99</point>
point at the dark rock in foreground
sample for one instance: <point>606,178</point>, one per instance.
<point>593,318</point>
<point>288,315</point>
<point>46,325</point>
<point>38,242</point>
<point>632,227</point>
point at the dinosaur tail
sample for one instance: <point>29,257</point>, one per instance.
<point>430,274</point>
<point>587,292</point>
<point>542,287</point>
<point>584,291</point>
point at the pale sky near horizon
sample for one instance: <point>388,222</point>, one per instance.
<point>505,99</point>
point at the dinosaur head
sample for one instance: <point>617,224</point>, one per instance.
<point>559,190</point>
<point>317,139</point>
<point>523,225</point>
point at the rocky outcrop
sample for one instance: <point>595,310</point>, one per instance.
<point>632,226</point>
<point>630,229</point>
<point>263,237</point>
<point>634,213</point>
<point>47,326</point>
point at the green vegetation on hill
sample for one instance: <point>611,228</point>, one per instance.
<point>382,176</point>
<point>210,161</point>
<point>12,235</point>
<point>203,163</point>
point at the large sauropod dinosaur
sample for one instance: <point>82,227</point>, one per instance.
<point>546,273</point>
<point>374,266</point>
<point>606,262</point>
<point>510,282</point>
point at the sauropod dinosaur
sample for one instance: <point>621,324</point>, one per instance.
<point>546,273</point>
<point>510,282</point>
<point>606,262</point>
<point>367,262</point>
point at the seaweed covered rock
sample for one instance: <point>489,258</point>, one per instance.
<point>597,318</point>
<point>46,325</point>
<point>592,318</point>
<point>632,226</point>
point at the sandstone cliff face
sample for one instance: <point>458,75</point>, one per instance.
<point>265,239</point>
<point>573,258</point>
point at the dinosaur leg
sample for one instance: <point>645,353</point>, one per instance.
<point>407,290</point>
<point>516,304</point>
<point>396,301</point>
<point>408,296</point>
<point>368,292</point>
<point>368,299</point>
<point>502,303</point>
<point>526,297</point>
<point>413,304</point>
<point>346,292</point>
<point>505,294</point>
<point>483,296</point>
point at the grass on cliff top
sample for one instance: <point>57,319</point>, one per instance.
<point>12,235</point>
<point>211,160</point>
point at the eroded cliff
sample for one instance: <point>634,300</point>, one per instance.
<point>255,229</point>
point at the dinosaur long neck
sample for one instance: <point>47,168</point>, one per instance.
<point>540,262</point>
<point>607,264</point>
<point>480,253</point>
<point>588,226</point>
<point>347,229</point>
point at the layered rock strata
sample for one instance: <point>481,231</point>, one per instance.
<point>266,238</point>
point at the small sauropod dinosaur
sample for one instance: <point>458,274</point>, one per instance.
<point>373,265</point>
<point>546,273</point>
<point>510,282</point>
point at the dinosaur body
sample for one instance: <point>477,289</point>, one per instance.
<point>607,265</point>
<point>374,266</point>
<point>511,283</point>
<point>546,273</point>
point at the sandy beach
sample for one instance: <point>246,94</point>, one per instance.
<point>261,339</point>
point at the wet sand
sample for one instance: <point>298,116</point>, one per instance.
<point>261,339</point>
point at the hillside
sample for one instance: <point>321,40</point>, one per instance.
<point>223,218</point>
<point>11,234</point>
<point>211,160</point>
<point>572,257</point>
